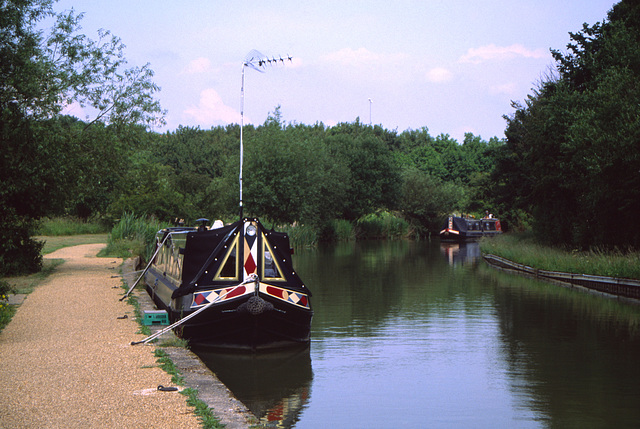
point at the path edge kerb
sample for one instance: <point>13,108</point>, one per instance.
<point>225,406</point>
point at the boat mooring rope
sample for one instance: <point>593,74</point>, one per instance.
<point>252,278</point>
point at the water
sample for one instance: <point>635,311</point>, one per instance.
<point>418,335</point>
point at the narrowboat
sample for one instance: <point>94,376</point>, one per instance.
<point>468,229</point>
<point>230,287</point>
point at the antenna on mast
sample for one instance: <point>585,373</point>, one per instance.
<point>257,61</point>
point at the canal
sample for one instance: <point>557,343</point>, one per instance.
<point>424,334</point>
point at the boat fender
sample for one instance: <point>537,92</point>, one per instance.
<point>256,306</point>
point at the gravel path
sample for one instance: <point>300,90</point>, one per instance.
<point>66,359</point>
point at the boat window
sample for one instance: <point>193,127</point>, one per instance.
<point>271,270</point>
<point>229,267</point>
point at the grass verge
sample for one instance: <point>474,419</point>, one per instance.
<point>53,243</point>
<point>64,226</point>
<point>202,410</point>
<point>522,248</point>
<point>6,312</point>
<point>22,285</point>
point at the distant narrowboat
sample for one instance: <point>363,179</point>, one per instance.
<point>468,229</point>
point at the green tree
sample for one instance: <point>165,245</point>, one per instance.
<point>39,75</point>
<point>373,172</point>
<point>426,200</point>
<point>572,153</point>
<point>290,175</point>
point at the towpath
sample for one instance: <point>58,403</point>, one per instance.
<point>66,359</point>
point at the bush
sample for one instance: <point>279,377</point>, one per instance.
<point>6,311</point>
<point>19,252</point>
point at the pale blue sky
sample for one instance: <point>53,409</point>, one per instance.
<point>451,66</point>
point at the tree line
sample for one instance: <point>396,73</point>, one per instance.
<point>568,168</point>
<point>293,173</point>
<point>571,161</point>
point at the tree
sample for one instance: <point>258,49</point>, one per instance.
<point>572,153</point>
<point>427,200</point>
<point>39,76</point>
<point>291,177</point>
<point>373,173</point>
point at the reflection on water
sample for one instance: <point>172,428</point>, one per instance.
<point>410,334</point>
<point>573,357</point>
<point>274,386</point>
<point>461,253</point>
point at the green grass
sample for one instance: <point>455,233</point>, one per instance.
<point>53,243</point>
<point>202,410</point>
<point>26,284</point>
<point>522,248</point>
<point>70,226</point>
<point>169,367</point>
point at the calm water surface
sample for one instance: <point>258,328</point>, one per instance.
<point>423,335</point>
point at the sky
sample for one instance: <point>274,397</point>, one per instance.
<point>452,66</point>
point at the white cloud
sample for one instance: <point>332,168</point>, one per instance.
<point>199,65</point>
<point>439,75</point>
<point>348,56</point>
<point>493,52</point>
<point>212,110</point>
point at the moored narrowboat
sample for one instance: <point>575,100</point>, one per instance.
<point>243,274</point>
<point>468,229</point>
<point>229,287</point>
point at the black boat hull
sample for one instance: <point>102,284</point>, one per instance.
<point>254,321</point>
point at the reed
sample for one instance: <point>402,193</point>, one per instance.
<point>343,230</point>
<point>134,236</point>
<point>522,248</point>
<point>382,224</point>
<point>301,235</point>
